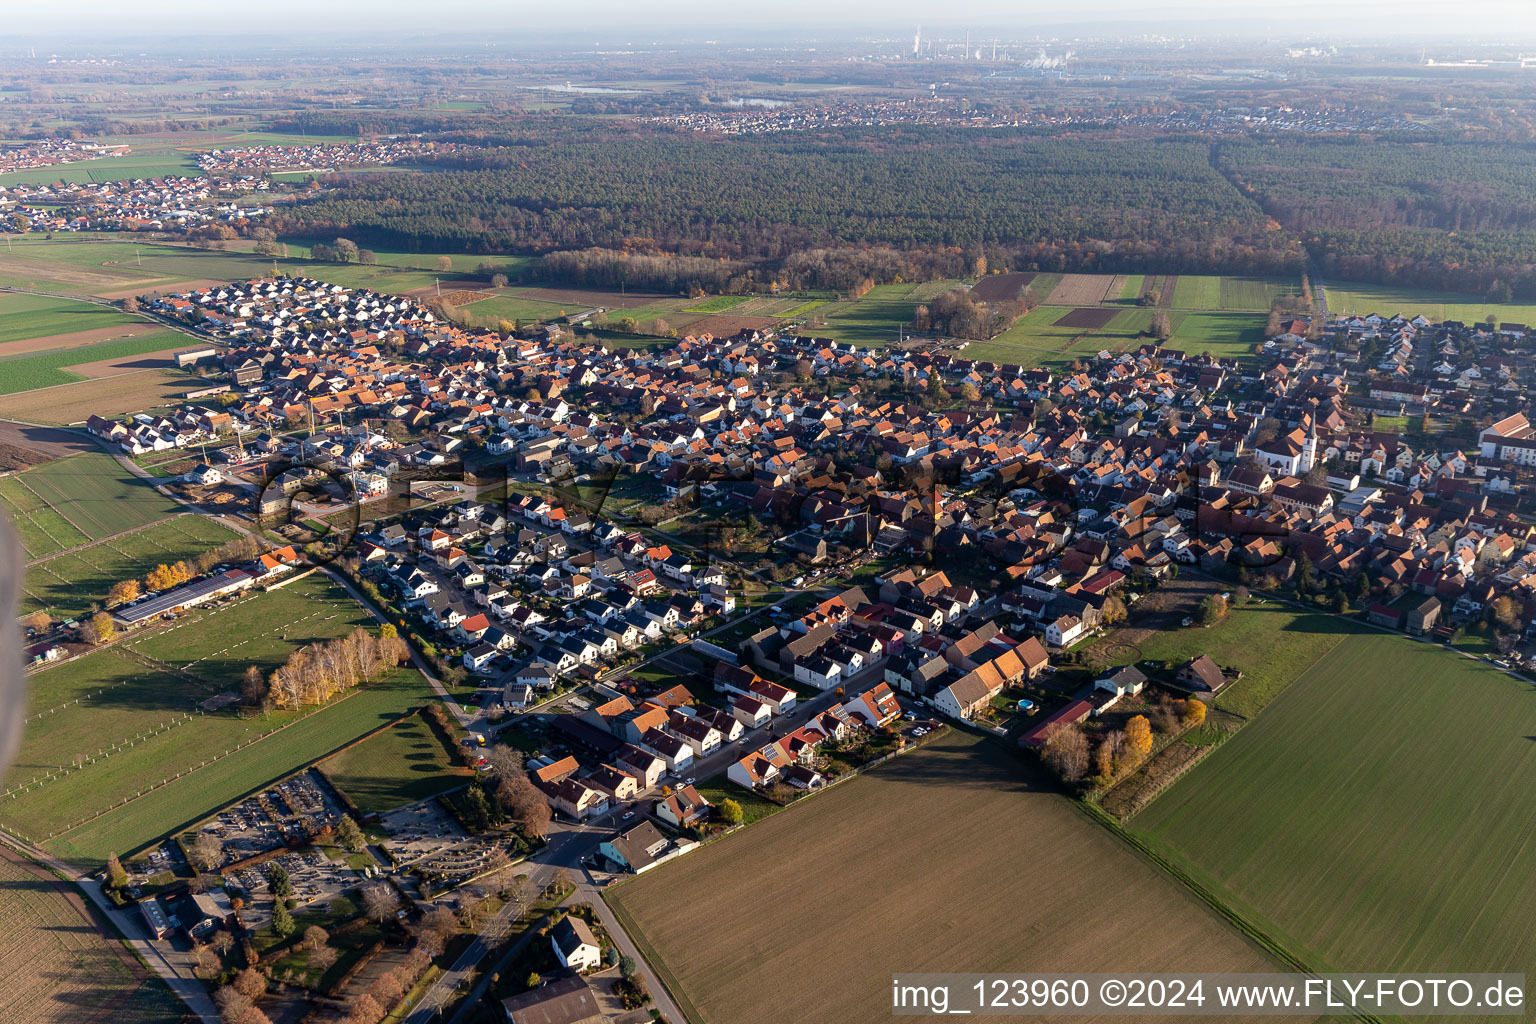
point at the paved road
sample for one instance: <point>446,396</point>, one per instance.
<point>572,843</point>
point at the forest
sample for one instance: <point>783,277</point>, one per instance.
<point>1026,202</point>
<point>684,211</point>
<point>1442,214</point>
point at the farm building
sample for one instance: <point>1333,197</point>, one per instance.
<point>1074,712</point>
<point>1422,619</point>
<point>1202,674</point>
<point>567,1000</point>
<point>1384,615</point>
<point>186,595</point>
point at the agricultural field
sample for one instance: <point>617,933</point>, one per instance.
<point>1225,335</point>
<point>105,266</point>
<point>56,964</point>
<point>86,497</point>
<point>873,320</point>
<point>1042,886</point>
<point>284,742</point>
<point>36,316</point>
<point>217,644</point>
<point>1365,299</point>
<point>63,366</point>
<point>404,763</point>
<point>153,156</point>
<point>150,164</point>
<point>140,697</point>
<point>1195,291</point>
<point>1350,821</point>
<point>138,391</point>
<point>66,585</point>
<point>715,304</point>
<point>1041,336</point>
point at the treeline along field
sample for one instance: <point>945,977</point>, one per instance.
<point>1055,203</point>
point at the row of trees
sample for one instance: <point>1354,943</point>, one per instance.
<point>318,672</point>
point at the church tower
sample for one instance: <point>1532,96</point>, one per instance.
<point>1309,448</point>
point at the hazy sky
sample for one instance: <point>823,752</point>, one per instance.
<point>612,20</point>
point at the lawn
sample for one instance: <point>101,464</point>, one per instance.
<point>1353,820</point>
<point>402,764</point>
<point>283,743</point>
<point>67,584</point>
<point>1270,643</point>
<point>38,316</point>
<point>1364,299</point>
<point>62,504</point>
<point>57,966</point>
<point>1038,887</point>
<point>48,369</point>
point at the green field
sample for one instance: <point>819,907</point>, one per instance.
<point>205,790</point>
<point>1134,285</point>
<point>48,369</point>
<point>1378,815</point>
<point>1270,643</point>
<point>1225,335</point>
<point>716,304</point>
<point>67,584</point>
<point>84,497</point>
<point>1196,291</point>
<point>1364,299</point>
<point>142,706</point>
<point>404,763</point>
<point>873,320</point>
<point>217,644</point>
<point>38,316</point>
